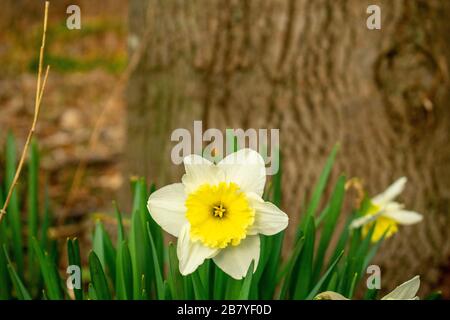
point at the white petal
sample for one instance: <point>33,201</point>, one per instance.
<point>393,206</point>
<point>247,169</point>
<point>200,171</point>
<point>405,291</point>
<point>235,260</point>
<point>404,216</point>
<point>330,295</point>
<point>269,220</point>
<point>391,192</point>
<point>166,206</point>
<point>191,254</point>
<point>359,222</point>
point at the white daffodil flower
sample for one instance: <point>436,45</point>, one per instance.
<point>386,213</point>
<point>217,212</point>
<point>405,291</point>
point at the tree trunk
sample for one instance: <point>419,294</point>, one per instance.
<point>315,71</point>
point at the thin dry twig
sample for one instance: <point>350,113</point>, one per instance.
<point>37,106</point>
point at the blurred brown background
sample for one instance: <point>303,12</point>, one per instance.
<point>139,69</point>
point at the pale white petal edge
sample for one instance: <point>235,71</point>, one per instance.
<point>269,219</point>
<point>391,192</point>
<point>359,222</point>
<point>200,171</point>
<point>404,217</point>
<point>235,260</point>
<point>191,254</point>
<point>247,169</point>
<point>405,291</point>
<point>330,295</point>
<point>166,206</point>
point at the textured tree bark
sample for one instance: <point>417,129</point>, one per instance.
<point>312,69</point>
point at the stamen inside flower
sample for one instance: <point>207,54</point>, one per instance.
<point>219,211</point>
<point>383,225</point>
<point>219,215</point>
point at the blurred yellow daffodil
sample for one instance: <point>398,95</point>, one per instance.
<point>386,213</point>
